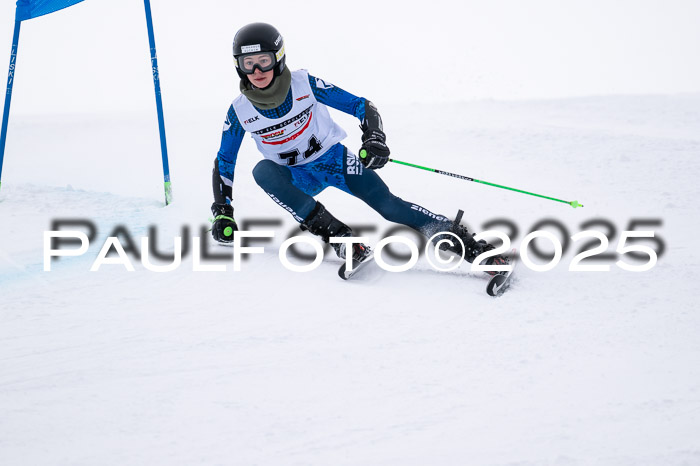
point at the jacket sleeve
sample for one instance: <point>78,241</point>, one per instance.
<point>225,164</point>
<point>337,98</point>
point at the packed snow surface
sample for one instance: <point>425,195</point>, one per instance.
<point>268,366</point>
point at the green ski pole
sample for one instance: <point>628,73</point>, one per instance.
<point>573,204</point>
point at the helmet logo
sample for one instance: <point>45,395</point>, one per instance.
<point>278,40</point>
<point>250,48</point>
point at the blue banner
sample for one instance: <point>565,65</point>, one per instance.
<point>28,9</point>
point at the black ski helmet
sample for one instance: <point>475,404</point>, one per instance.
<point>259,37</point>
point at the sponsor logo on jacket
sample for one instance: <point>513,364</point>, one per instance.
<point>321,84</point>
<point>273,134</point>
<point>287,130</point>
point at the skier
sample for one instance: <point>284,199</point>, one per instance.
<point>285,113</point>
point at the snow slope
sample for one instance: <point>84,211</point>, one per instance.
<point>267,366</point>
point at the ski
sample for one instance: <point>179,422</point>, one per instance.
<point>500,282</point>
<point>357,265</point>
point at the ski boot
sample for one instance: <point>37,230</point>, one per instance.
<point>322,223</point>
<point>472,248</point>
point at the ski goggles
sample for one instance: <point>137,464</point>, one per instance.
<point>264,61</point>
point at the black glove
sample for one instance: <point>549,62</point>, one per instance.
<point>373,153</point>
<point>224,224</point>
